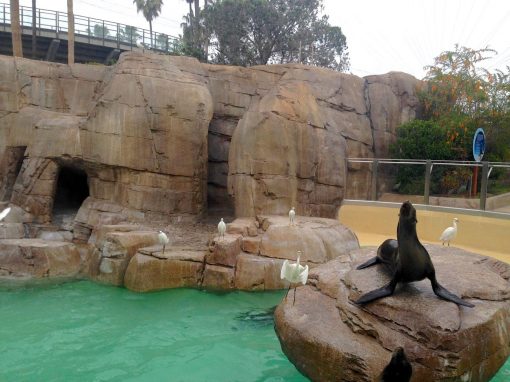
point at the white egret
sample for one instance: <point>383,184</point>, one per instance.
<point>222,227</point>
<point>294,273</point>
<point>292,215</point>
<point>163,239</point>
<point>449,233</point>
<point>4,213</point>
<point>141,45</point>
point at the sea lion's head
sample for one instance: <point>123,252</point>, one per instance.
<point>408,212</point>
<point>399,368</point>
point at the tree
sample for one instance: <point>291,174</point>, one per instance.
<point>458,97</point>
<point>150,9</point>
<point>420,140</point>
<point>258,32</point>
<point>70,32</point>
<point>461,96</point>
<point>129,34</point>
<point>17,48</point>
<point>99,31</point>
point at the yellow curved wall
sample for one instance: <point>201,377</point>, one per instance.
<point>486,234</point>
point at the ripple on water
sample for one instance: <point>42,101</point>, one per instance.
<point>90,332</point>
<point>83,331</point>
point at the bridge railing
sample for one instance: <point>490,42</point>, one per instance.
<point>96,31</point>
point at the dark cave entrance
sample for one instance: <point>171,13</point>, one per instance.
<point>219,202</point>
<point>72,189</point>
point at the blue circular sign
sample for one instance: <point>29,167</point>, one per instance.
<point>478,144</point>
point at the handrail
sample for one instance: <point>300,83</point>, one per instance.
<point>429,165</point>
<point>97,31</point>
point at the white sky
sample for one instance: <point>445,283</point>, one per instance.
<point>382,36</point>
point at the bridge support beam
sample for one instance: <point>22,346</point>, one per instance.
<point>113,55</point>
<point>52,50</point>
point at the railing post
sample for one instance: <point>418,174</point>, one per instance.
<point>103,32</point>
<point>375,168</point>
<point>56,25</point>
<point>118,35</point>
<point>89,31</point>
<point>426,192</point>
<point>346,169</point>
<point>483,185</point>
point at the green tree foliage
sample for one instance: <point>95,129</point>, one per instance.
<point>420,139</point>
<point>462,96</point>
<point>150,10</point>
<point>129,34</point>
<point>458,97</point>
<point>258,32</point>
<point>99,31</point>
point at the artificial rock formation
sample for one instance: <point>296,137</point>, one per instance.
<point>248,257</point>
<point>155,137</point>
<point>29,260</point>
<point>329,338</point>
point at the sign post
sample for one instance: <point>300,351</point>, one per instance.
<point>478,151</point>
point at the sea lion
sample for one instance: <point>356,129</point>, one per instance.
<point>399,369</point>
<point>409,262</point>
<point>385,254</point>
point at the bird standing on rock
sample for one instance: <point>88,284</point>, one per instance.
<point>292,215</point>
<point>4,213</point>
<point>294,273</point>
<point>449,233</point>
<point>163,239</point>
<point>222,227</point>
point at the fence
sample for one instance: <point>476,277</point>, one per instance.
<point>486,170</point>
<point>95,31</point>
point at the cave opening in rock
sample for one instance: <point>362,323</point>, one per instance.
<point>219,202</point>
<point>72,189</point>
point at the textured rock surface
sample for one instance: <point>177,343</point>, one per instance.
<point>115,251</point>
<point>226,264</point>
<point>443,341</point>
<point>138,130</point>
<point>157,135</point>
<point>150,270</point>
<point>34,259</point>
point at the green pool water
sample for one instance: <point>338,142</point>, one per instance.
<point>88,332</point>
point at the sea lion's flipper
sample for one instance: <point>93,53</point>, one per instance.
<point>447,295</point>
<point>369,263</point>
<point>376,294</point>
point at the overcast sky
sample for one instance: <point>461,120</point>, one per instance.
<point>382,36</point>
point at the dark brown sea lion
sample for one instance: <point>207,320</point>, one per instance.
<point>399,369</point>
<point>409,262</point>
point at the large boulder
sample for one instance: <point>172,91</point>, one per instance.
<point>329,338</point>
<point>30,260</point>
<point>115,251</point>
<point>151,269</point>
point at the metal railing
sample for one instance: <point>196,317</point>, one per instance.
<point>96,31</point>
<point>486,167</point>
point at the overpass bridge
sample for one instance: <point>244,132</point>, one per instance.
<point>95,40</point>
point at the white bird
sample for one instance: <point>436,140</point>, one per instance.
<point>292,215</point>
<point>163,239</point>
<point>222,227</point>
<point>449,233</point>
<point>294,273</point>
<point>4,213</point>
